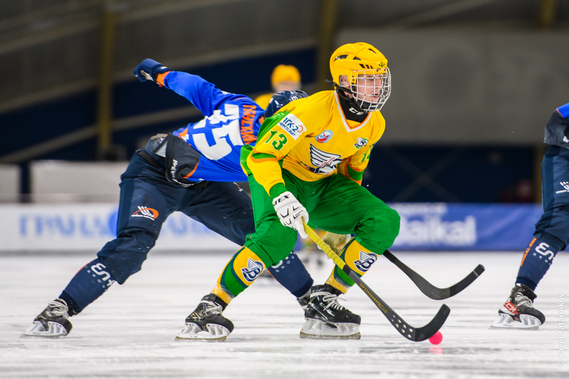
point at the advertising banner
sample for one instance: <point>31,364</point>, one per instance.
<point>463,227</point>
<point>72,227</point>
<point>424,227</point>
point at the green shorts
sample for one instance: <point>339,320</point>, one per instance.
<point>335,204</point>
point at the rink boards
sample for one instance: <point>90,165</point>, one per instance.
<point>424,227</point>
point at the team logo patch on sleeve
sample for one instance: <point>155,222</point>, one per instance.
<point>361,143</point>
<point>292,125</point>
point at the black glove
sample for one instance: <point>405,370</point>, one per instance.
<point>149,70</point>
<point>181,160</point>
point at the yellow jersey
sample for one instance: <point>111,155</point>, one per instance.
<point>263,100</point>
<point>313,139</point>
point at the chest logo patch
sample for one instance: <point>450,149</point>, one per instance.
<point>324,137</point>
<point>322,162</point>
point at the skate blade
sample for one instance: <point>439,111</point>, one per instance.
<point>316,329</point>
<point>54,330</point>
<point>527,322</point>
<point>214,333</point>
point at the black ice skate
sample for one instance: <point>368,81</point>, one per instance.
<point>303,300</point>
<point>518,311</point>
<point>326,318</point>
<point>206,323</point>
<point>52,322</point>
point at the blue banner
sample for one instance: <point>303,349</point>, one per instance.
<point>465,227</point>
<point>424,227</point>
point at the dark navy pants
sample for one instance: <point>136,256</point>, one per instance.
<point>147,199</point>
<point>555,177</point>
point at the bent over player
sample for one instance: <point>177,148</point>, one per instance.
<point>190,171</point>
<point>308,165</point>
<point>551,231</point>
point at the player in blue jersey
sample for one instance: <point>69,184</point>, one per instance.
<point>191,170</point>
<point>551,231</point>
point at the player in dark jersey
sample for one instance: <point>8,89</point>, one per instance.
<point>551,231</point>
<point>191,170</point>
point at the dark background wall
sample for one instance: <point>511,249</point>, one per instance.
<point>474,82</point>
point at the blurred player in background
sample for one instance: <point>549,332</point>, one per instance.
<point>284,78</point>
<point>551,231</point>
<point>190,170</point>
<point>309,160</point>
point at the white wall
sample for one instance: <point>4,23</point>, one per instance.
<point>75,182</point>
<point>9,183</point>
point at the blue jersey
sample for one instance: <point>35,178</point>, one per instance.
<point>230,122</point>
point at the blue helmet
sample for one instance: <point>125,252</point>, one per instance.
<point>280,99</point>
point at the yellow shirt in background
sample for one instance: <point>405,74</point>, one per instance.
<point>263,100</point>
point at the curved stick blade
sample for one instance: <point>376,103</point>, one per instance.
<point>429,289</point>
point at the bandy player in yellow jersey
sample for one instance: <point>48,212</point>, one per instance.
<point>308,165</point>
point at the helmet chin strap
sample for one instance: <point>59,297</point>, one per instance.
<point>343,92</point>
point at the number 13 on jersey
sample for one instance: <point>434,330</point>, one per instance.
<point>276,139</point>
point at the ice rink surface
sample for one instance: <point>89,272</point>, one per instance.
<point>129,332</point>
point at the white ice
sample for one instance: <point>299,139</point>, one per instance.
<point>129,332</point>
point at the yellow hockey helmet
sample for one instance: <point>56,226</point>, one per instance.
<point>361,60</point>
<point>285,73</point>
